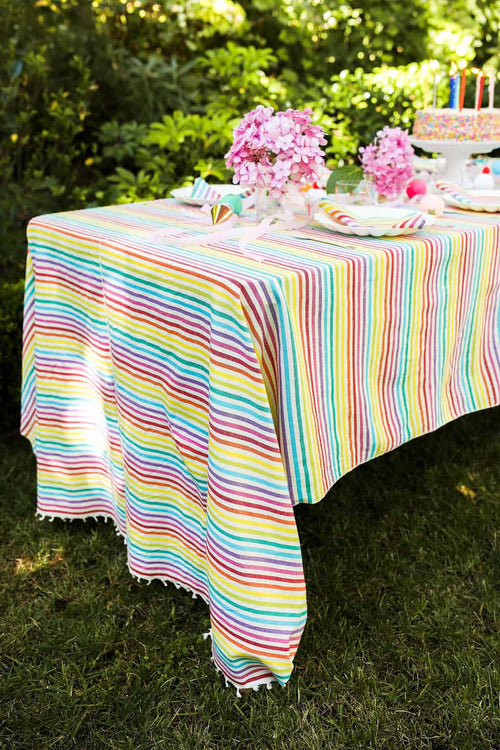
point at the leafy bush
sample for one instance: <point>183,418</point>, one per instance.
<point>11,313</point>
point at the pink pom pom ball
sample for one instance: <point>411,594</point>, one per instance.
<point>416,187</point>
<point>431,204</point>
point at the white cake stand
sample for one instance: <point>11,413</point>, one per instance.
<point>456,154</point>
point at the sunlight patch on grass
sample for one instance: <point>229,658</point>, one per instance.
<point>42,559</point>
<point>467,492</point>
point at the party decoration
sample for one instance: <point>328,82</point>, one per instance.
<point>273,149</point>
<point>463,79</point>
<point>431,204</point>
<point>416,187</point>
<point>426,84</point>
<point>484,180</point>
<point>454,80</point>
<point>435,69</point>
<point>221,213</point>
<point>491,91</point>
<point>479,87</point>
<point>234,202</point>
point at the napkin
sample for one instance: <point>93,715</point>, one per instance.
<point>488,201</point>
<point>201,189</point>
<point>455,191</point>
<point>341,214</point>
<point>204,191</point>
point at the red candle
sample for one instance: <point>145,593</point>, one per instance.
<point>478,97</point>
<point>462,89</point>
<point>479,90</point>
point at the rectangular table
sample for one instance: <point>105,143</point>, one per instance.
<point>194,394</point>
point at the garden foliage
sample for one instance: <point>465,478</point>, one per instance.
<point>106,101</point>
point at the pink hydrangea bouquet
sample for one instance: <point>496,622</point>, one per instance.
<point>388,161</point>
<point>273,149</point>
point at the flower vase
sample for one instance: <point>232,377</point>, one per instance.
<point>380,198</point>
<point>266,204</point>
<point>394,200</point>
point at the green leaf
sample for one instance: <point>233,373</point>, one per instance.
<point>348,173</point>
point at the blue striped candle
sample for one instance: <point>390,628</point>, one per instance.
<point>454,90</point>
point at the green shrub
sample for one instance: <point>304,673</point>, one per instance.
<point>11,315</point>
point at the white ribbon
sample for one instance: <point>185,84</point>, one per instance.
<point>230,230</point>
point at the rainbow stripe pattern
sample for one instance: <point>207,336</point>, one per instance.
<point>457,192</point>
<point>201,189</point>
<point>341,214</point>
<point>195,395</point>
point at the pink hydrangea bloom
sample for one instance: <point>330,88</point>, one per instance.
<point>272,149</point>
<point>388,161</point>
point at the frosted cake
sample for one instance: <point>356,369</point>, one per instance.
<point>456,125</point>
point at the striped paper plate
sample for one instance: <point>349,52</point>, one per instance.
<point>474,200</point>
<point>391,215</point>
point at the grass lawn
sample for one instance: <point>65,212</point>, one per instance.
<point>401,649</point>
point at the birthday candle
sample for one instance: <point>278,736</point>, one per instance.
<point>434,67</point>
<point>425,70</point>
<point>491,91</point>
<point>457,91</point>
<point>453,86</point>
<point>462,88</point>
<point>479,87</point>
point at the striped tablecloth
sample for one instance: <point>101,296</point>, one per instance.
<point>194,394</point>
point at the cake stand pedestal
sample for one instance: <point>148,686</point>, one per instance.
<point>456,154</point>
